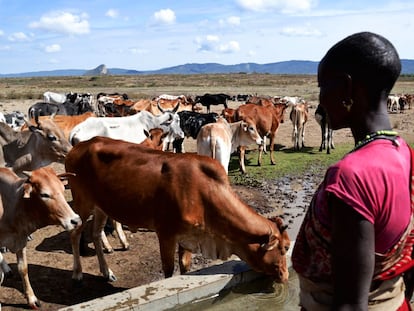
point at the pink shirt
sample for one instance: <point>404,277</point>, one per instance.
<point>374,181</point>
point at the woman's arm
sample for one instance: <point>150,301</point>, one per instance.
<point>353,256</point>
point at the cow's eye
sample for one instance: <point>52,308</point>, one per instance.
<point>51,137</point>
<point>44,195</point>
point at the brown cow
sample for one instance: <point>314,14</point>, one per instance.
<point>186,199</point>
<point>299,116</point>
<point>28,204</point>
<point>66,123</point>
<point>267,120</point>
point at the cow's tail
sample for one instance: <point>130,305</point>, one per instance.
<point>213,146</point>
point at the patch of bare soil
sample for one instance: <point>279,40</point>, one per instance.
<point>50,255</point>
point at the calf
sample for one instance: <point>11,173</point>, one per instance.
<point>28,204</point>
<point>43,144</point>
<point>326,130</point>
<point>219,140</point>
<point>299,116</point>
<point>186,199</point>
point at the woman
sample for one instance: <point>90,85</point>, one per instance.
<point>356,239</point>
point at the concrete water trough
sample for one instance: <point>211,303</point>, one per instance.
<point>177,290</point>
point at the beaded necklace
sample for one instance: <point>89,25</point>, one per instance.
<point>382,134</point>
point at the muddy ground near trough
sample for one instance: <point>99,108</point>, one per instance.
<point>50,255</point>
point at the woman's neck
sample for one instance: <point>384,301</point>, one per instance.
<point>370,123</point>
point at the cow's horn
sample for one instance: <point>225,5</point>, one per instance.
<point>159,107</point>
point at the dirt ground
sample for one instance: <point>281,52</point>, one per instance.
<point>49,253</point>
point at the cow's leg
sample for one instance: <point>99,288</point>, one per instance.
<point>167,251</point>
<point>4,267</point>
<point>105,243</point>
<point>99,220</point>
<point>242,153</point>
<point>260,156</point>
<point>75,237</point>
<point>303,136</point>
<point>121,235</point>
<point>271,147</point>
<point>184,259</point>
<point>32,300</point>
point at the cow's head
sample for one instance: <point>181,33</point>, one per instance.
<point>44,192</point>
<point>52,141</point>
<point>249,128</point>
<point>269,256</point>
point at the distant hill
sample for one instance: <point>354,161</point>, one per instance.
<point>287,67</point>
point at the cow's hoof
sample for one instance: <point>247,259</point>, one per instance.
<point>35,305</point>
<point>108,250</point>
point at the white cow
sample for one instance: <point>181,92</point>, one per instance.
<point>130,128</point>
<point>299,116</point>
<point>220,139</point>
<point>54,98</point>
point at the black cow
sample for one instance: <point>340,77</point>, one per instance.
<point>191,123</point>
<point>213,99</point>
<point>326,129</point>
<point>75,104</point>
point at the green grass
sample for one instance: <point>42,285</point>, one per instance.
<point>288,162</point>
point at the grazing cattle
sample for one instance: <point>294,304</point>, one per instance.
<point>65,123</point>
<point>186,199</point>
<point>54,98</point>
<point>78,106</point>
<point>393,103</point>
<point>291,100</point>
<point>267,120</point>
<point>105,103</point>
<point>129,128</point>
<point>228,114</point>
<point>14,119</point>
<point>241,97</point>
<point>220,139</point>
<point>212,99</point>
<point>326,129</point>
<point>191,123</point>
<point>299,116</point>
<point>409,99</point>
<point>262,101</point>
<point>28,204</point>
<point>43,144</point>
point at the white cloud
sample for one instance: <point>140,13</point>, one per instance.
<point>165,16</point>
<point>5,48</point>
<point>53,48</point>
<point>1,33</point>
<point>230,21</point>
<point>230,47</point>
<point>53,61</point>
<point>112,13</point>
<point>284,6</point>
<point>300,32</point>
<point>211,43</point>
<point>63,22</point>
<point>18,36</point>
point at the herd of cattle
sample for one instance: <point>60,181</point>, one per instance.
<point>116,165</point>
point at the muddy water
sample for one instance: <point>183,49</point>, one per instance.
<point>262,294</point>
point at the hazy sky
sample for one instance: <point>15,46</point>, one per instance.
<point>145,35</point>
